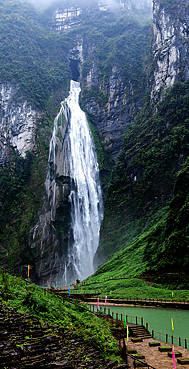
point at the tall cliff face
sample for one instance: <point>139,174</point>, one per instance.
<point>113,83</point>
<point>49,237</point>
<point>18,122</point>
<point>107,51</point>
<point>112,117</point>
<point>113,87</point>
<point>156,144</point>
<point>170,43</point>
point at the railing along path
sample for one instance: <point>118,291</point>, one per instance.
<point>137,320</point>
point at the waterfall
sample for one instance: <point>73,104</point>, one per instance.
<point>74,157</point>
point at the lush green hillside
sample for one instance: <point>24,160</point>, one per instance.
<point>31,56</point>
<point>116,41</point>
<point>156,148</point>
<point>26,297</point>
<point>22,191</point>
<point>146,198</point>
<point>37,60</point>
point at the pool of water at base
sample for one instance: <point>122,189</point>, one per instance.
<point>160,320</point>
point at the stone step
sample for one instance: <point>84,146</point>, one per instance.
<point>154,344</point>
<point>183,361</point>
<point>136,339</point>
<point>138,364</point>
<point>177,354</point>
<point>165,349</point>
<point>139,356</point>
<point>139,331</point>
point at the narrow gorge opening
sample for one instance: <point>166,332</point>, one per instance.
<point>74,65</point>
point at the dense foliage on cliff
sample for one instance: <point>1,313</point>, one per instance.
<point>31,56</point>
<point>36,60</point>
<point>122,44</point>
<point>21,196</point>
<point>156,148</point>
<point>176,7</point>
<point>146,199</point>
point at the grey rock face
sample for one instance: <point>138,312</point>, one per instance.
<point>170,45</point>
<point>18,121</point>
<point>49,237</point>
<point>111,118</point>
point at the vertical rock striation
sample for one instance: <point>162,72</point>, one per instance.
<point>170,44</point>
<point>18,122</point>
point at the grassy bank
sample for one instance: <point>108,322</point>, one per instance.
<point>26,297</point>
<point>134,288</point>
<point>128,274</point>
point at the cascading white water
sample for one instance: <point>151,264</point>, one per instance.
<point>79,162</point>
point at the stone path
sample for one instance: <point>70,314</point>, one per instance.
<point>159,360</point>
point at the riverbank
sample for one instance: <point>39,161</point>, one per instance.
<point>158,321</point>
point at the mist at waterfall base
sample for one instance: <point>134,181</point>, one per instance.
<point>78,162</point>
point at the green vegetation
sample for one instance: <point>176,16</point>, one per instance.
<point>145,228</point>
<point>37,63</point>
<point>110,283</point>
<point>177,8</point>
<point>16,293</point>
<point>141,187</point>
<point>22,191</point>
<point>30,56</point>
<point>119,277</point>
<point>119,43</point>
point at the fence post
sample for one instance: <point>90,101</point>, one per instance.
<point>179,341</point>
<point>152,333</point>
<point>108,311</point>
<point>172,339</point>
<point>166,337</point>
<point>185,344</point>
<point>147,326</point>
<point>116,316</point>
<point>93,308</point>
<point>126,357</point>
<point>112,315</point>
<point>136,319</point>
<point>121,317</point>
<point>142,321</point>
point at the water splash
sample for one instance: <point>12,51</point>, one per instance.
<point>75,157</point>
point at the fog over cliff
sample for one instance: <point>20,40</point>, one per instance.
<point>112,3</point>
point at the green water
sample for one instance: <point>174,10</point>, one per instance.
<point>159,320</point>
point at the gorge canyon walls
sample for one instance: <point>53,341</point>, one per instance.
<point>111,55</point>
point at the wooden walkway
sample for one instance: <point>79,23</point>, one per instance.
<point>92,298</point>
<point>183,305</point>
